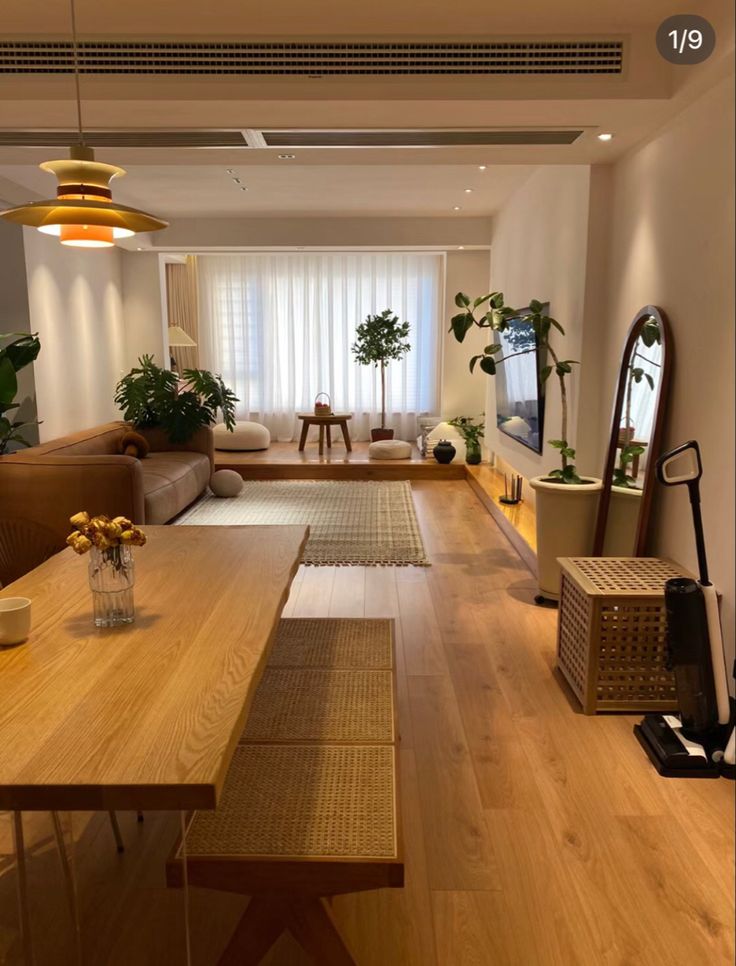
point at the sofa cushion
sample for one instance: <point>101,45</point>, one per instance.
<point>171,481</point>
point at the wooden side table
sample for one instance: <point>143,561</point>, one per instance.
<point>325,424</point>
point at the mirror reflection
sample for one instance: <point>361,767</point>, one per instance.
<point>635,431</point>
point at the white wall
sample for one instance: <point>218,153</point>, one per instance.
<point>462,393</point>
<point>75,305</point>
<point>539,250</point>
<point>143,307</point>
<point>672,245</point>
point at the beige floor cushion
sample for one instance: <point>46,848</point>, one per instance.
<point>245,436</point>
<point>226,483</point>
<point>389,449</point>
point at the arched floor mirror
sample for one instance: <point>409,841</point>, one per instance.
<point>636,432</point>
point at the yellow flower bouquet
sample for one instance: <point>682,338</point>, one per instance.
<point>111,574</point>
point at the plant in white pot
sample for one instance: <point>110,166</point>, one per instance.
<point>380,339</point>
<point>566,503</point>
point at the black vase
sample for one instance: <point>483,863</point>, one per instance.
<point>444,451</point>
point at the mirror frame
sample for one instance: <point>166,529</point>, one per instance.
<point>657,427</point>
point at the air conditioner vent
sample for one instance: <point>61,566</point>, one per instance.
<point>414,139</point>
<point>530,57</point>
<point>124,139</point>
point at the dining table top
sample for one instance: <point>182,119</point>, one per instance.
<point>146,715</point>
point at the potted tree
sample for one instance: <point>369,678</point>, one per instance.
<point>566,503</point>
<point>380,339</point>
<point>19,351</point>
<point>152,397</point>
<point>472,433</point>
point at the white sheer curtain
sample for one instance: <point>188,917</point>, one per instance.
<point>279,328</point>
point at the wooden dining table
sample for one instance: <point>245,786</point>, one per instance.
<point>144,716</point>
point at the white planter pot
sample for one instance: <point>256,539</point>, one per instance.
<point>566,516</point>
<point>622,522</point>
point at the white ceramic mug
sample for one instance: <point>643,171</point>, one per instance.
<point>15,620</point>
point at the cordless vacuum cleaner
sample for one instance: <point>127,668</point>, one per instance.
<point>695,744</point>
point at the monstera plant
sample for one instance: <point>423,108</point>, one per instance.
<point>151,396</point>
<point>17,350</point>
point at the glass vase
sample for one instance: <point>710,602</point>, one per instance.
<point>111,580</point>
<point>472,453</point>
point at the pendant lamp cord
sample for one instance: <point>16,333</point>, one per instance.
<point>75,52</point>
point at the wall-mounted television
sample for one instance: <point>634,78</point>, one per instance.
<point>519,389</point>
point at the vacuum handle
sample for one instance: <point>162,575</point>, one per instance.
<point>689,470</point>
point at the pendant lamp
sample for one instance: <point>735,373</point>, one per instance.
<point>83,213</point>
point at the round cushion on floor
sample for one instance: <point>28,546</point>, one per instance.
<point>226,483</point>
<point>245,436</point>
<point>389,449</point>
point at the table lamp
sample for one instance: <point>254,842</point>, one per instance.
<point>178,337</point>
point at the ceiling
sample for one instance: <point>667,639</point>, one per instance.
<point>398,181</point>
<point>326,190</point>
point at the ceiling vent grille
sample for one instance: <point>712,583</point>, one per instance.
<point>414,139</point>
<point>124,139</point>
<point>315,59</point>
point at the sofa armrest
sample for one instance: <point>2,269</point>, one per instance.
<point>50,489</point>
<point>203,441</point>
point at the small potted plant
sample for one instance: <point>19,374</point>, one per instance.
<point>18,352</point>
<point>566,503</point>
<point>150,396</point>
<point>472,433</point>
<point>380,339</point>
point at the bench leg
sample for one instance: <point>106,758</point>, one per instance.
<point>260,926</point>
<point>321,439</point>
<point>312,925</point>
<point>303,437</point>
<point>329,436</point>
<point>309,919</point>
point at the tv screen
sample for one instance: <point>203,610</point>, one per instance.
<point>519,391</point>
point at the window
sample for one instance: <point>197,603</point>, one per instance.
<point>279,327</point>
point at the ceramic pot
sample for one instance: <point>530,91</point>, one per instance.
<point>444,451</point>
<point>622,522</point>
<point>566,517</point>
<point>378,434</point>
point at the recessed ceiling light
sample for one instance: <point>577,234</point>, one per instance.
<point>468,191</point>
<point>605,137</point>
<point>286,157</point>
<point>236,180</point>
<point>481,167</point>
<point>243,187</point>
<point>461,248</point>
<point>456,208</point>
<point>229,171</point>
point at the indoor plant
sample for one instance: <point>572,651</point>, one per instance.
<point>566,503</point>
<point>16,354</point>
<point>472,433</point>
<point>150,396</point>
<point>380,339</point>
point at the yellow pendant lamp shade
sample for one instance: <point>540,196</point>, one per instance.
<point>83,213</point>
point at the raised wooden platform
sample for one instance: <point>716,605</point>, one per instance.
<point>518,523</point>
<point>283,461</point>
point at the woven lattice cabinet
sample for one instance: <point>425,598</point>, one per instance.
<point>611,633</point>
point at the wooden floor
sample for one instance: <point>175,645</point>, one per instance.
<point>534,835</point>
<point>283,461</point>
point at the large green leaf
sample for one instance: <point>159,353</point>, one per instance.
<point>488,365</point>
<point>461,300</point>
<point>8,380</point>
<point>22,351</point>
<point>461,324</point>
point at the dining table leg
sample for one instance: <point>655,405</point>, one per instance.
<point>22,889</point>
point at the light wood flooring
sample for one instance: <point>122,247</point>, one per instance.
<point>534,834</point>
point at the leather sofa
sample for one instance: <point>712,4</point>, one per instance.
<point>47,484</point>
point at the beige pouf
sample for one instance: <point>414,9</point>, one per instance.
<point>389,449</point>
<point>246,436</point>
<point>226,483</point>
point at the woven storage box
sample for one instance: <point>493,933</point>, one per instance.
<point>611,632</point>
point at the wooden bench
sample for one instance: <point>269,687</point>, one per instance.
<point>310,805</point>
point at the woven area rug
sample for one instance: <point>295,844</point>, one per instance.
<point>351,523</point>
